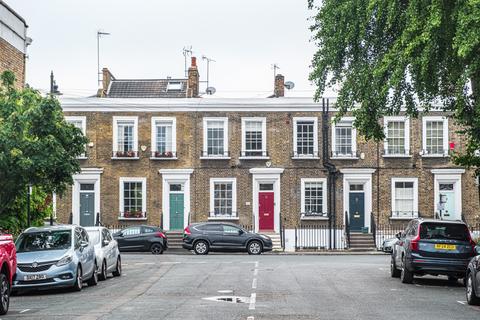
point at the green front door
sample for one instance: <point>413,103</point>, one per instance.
<point>176,211</point>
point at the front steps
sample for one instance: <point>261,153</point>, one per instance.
<point>174,239</point>
<point>276,241</point>
<point>361,242</point>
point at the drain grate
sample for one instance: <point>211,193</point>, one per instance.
<point>229,299</point>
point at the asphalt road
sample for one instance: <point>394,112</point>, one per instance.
<point>268,287</point>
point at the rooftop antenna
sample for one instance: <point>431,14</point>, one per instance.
<point>187,51</point>
<point>204,57</point>
<point>99,73</point>
<point>275,67</point>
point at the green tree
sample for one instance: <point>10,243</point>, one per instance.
<point>37,147</point>
<point>385,55</point>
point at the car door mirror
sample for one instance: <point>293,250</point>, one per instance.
<point>477,250</point>
<point>105,243</point>
<point>398,235</point>
<point>240,232</point>
<point>83,244</point>
<point>119,234</point>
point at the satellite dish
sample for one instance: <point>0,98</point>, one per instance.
<point>289,85</point>
<point>211,90</point>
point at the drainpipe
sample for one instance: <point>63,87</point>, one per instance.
<point>332,172</point>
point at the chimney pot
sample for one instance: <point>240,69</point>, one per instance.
<point>194,61</point>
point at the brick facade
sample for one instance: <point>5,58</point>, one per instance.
<point>13,60</point>
<point>279,128</point>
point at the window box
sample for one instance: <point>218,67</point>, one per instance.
<point>298,156</point>
<point>439,153</point>
<point>133,215</point>
<point>214,216</point>
<point>125,154</point>
<point>314,216</point>
<point>169,155</point>
<point>353,155</point>
<point>254,155</point>
<point>396,154</point>
<point>220,156</point>
<point>404,215</point>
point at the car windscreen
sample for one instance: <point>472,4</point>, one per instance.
<point>444,231</point>
<point>44,240</point>
<point>94,236</point>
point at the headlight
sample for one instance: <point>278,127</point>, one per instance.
<point>265,237</point>
<point>65,260</point>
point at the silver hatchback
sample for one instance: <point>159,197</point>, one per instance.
<point>106,251</point>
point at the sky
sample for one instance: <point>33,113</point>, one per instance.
<point>244,37</point>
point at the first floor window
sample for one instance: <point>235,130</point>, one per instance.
<point>216,137</point>
<point>80,123</point>
<point>125,136</point>
<point>313,196</point>
<point>434,133</point>
<point>133,197</point>
<point>223,198</point>
<point>305,137</point>
<point>404,196</point>
<point>254,138</point>
<point>343,140</point>
<point>396,137</point>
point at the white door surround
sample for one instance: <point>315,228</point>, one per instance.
<point>261,176</point>
<point>86,175</point>
<point>454,176</point>
<point>358,176</point>
<point>175,176</point>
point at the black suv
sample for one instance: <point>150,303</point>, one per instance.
<point>216,236</point>
<point>434,247</point>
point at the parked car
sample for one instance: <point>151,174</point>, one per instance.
<point>106,252</point>
<point>142,238</point>
<point>387,245</point>
<point>56,256</point>
<point>216,236</point>
<point>434,247</point>
<point>472,283</point>
<point>8,264</point>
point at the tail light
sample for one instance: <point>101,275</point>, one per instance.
<point>414,243</point>
<point>472,243</point>
<point>187,231</point>
<point>161,235</point>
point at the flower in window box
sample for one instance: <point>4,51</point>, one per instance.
<point>168,154</point>
<point>130,153</point>
<point>120,154</point>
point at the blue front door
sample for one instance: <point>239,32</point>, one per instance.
<point>357,211</point>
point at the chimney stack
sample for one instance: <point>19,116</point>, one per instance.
<point>193,81</point>
<point>107,77</point>
<point>279,88</point>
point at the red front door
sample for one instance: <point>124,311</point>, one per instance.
<point>265,210</point>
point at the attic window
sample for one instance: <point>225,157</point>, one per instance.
<point>174,86</point>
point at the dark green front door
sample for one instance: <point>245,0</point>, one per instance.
<point>87,209</point>
<point>357,211</point>
<point>176,211</point>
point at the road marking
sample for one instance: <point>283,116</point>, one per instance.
<point>144,263</point>
<point>253,298</point>
<point>255,272</point>
<point>254,283</point>
<point>249,318</point>
<point>23,311</point>
<point>225,291</point>
<point>256,264</point>
<point>462,302</point>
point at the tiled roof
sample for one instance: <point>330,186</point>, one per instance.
<point>155,88</point>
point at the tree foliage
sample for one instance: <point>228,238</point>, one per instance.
<point>37,147</point>
<point>385,55</point>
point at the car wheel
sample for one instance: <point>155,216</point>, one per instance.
<point>201,247</point>
<point>156,248</point>
<point>254,247</point>
<point>93,281</point>
<point>77,286</point>
<point>472,298</point>
<point>103,275</point>
<point>406,276</point>
<point>394,271</point>
<point>118,268</point>
<point>4,294</point>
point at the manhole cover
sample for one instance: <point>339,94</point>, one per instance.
<point>229,299</point>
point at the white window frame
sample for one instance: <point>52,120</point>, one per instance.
<point>225,138</point>
<point>264,138</point>
<point>173,120</point>
<point>406,120</point>
<point>354,138</point>
<point>323,215</point>
<point>415,197</point>
<point>315,138</point>
<point>235,215</point>
<point>426,119</point>
<point>83,120</point>
<point>115,133</point>
<point>143,180</point>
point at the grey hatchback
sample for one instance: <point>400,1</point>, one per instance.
<point>435,247</point>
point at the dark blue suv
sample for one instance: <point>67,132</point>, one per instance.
<point>434,247</point>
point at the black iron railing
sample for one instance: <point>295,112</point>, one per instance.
<point>125,154</point>
<point>163,155</point>
<point>253,154</point>
<point>318,237</point>
<point>347,229</point>
<point>215,154</point>
<point>373,228</point>
<point>306,155</point>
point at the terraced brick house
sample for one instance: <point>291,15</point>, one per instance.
<point>13,43</point>
<point>162,155</point>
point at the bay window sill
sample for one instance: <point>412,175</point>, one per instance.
<point>344,158</point>
<point>163,158</point>
<point>254,158</point>
<point>435,156</point>
<point>305,158</point>
<point>132,219</point>
<point>397,156</point>
<point>223,218</point>
<point>214,158</point>
<point>125,158</point>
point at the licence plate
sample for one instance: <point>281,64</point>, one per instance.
<point>33,277</point>
<point>445,247</point>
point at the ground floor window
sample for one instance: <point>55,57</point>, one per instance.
<point>314,197</point>
<point>404,197</point>
<point>223,197</point>
<point>133,197</point>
